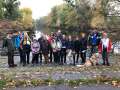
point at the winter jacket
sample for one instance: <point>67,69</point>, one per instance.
<point>76,45</point>
<point>56,45</point>
<point>9,44</point>
<point>108,45</point>
<point>70,44</point>
<point>35,47</point>
<point>83,44</point>
<point>64,43</point>
<point>44,46</point>
<point>94,39</point>
<point>17,41</point>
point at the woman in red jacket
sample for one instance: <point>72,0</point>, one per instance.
<point>105,48</point>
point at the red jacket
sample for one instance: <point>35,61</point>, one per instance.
<point>100,47</point>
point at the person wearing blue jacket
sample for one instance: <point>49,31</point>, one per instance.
<point>94,40</point>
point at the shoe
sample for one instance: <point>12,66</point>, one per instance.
<point>103,64</point>
<point>24,65</point>
<point>97,64</point>
<point>108,64</point>
<point>14,65</point>
<point>10,66</point>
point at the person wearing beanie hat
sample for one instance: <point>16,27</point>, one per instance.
<point>104,48</point>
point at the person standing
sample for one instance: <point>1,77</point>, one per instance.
<point>105,48</point>
<point>18,40</point>
<point>50,38</point>
<point>35,47</point>
<point>40,52</point>
<point>21,47</point>
<point>26,49</point>
<point>83,48</point>
<point>70,46</point>
<point>10,47</point>
<point>93,41</point>
<point>63,50</point>
<point>76,50</point>
<point>56,46</point>
<point>45,49</point>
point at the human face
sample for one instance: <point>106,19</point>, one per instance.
<point>83,35</point>
<point>77,38</point>
<point>64,36</point>
<point>70,38</point>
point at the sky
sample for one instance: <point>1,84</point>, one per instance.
<point>40,7</point>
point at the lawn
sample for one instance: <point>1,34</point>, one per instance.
<point>52,75</point>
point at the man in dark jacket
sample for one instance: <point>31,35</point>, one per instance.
<point>76,50</point>
<point>63,50</point>
<point>83,48</point>
<point>10,47</point>
<point>70,47</point>
<point>40,53</point>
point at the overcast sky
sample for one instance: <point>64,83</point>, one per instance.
<point>40,7</point>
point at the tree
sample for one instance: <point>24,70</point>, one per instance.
<point>11,9</point>
<point>26,18</point>
<point>1,9</point>
<point>84,9</point>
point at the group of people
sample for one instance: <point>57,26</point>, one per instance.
<point>57,48</point>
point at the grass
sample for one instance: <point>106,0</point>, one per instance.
<point>72,83</point>
<point>10,77</point>
<point>2,84</point>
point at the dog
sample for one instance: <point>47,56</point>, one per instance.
<point>93,61</point>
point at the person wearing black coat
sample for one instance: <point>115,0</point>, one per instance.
<point>10,48</point>
<point>76,50</point>
<point>40,52</point>
<point>63,50</point>
<point>83,48</point>
<point>70,47</point>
